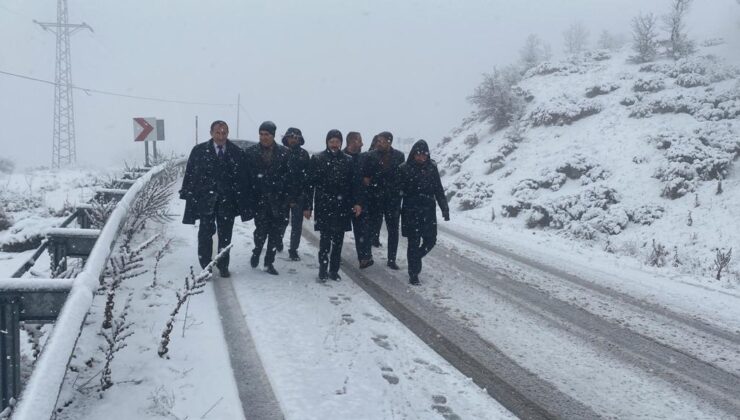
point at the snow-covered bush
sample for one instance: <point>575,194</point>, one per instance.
<point>689,160</point>
<point>719,136</point>
<point>663,68</point>
<point>453,162</point>
<point>689,80</point>
<point>630,100</point>
<point>14,201</point>
<point>646,214</point>
<point>601,89</point>
<point>648,85</point>
<point>473,195</point>
<point>471,140</point>
<point>645,37</point>
<point>562,68</point>
<point>6,221</point>
<point>599,55</point>
<point>706,105</point>
<point>563,110</point>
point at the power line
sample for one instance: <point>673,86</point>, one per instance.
<point>104,92</point>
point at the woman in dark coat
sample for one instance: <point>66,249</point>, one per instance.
<point>421,191</point>
<point>335,201</point>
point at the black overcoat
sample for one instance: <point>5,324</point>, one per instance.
<point>335,191</point>
<point>421,191</point>
<point>384,180</point>
<point>209,181</point>
<point>269,181</point>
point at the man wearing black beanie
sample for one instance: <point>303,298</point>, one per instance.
<point>267,163</point>
<point>336,200</point>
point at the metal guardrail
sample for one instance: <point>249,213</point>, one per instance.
<point>40,395</point>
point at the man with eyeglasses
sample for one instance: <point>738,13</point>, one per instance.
<point>297,183</point>
<point>213,193</point>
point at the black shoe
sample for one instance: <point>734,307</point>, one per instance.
<point>414,280</point>
<point>224,272</point>
<point>366,263</point>
<point>270,269</point>
<point>377,244</point>
<point>255,260</point>
<point>293,255</point>
<point>335,276</point>
<point>392,265</point>
<point>322,274</point>
<point>279,247</point>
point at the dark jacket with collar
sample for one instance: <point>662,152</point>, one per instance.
<point>299,165</point>
<point>269,180</point>
<point>334,191</point>
<point>209,181</point>
<point>384,181</point>
<point>421,191</point>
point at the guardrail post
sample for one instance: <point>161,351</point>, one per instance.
<point>10,348</point>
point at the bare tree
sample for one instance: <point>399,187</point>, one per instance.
<point>679,44</point>
<point>645,37</point>
<point>576,38</point>
<point>721,261</point>
<point>534,52</point>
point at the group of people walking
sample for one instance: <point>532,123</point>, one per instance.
<point>343,189</point>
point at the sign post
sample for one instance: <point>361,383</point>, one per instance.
<point>146,130</point>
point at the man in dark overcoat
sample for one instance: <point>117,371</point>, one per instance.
<point>335,202</point>
<point>214,193</point>
<point>360,223</point>
<point>381,178</point>
<point>267,164</point>
<point>297,187</point>
<point>421,192</point>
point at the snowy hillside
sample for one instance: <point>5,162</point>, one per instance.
<point>625,158</point>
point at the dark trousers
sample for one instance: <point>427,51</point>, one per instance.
<point>363,238</point>
<point>330,250</point>
<point>209,225</point>
<point>419,246</point>
<point>296,226</point>
<point>268,228</point>
<point>391,211</point>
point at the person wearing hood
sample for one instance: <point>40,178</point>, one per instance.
<point>335,202</point>
<point>359,223</point>
<point>297,184</point>
<point>267,163</point>
<point>213,194</point>
<point>421,192</point>
<point>381,178</point>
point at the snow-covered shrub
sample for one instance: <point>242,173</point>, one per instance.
<point>601,89</point>
<point>562,68</point>
<point>630,100</point>
<point>611,221</point>
<point>6,221</point>
<point>515,207</point>
<point>719,136</point>
<point>646,214</point>
<point>13,201</point>
<point>452,163</point>
<point>563,110</point>
<point>474,195</point>
<point>471,140</point>
<point>644,37</point>
<point>579,167</point>
<point>689,80</point>
<point>599,55</point>
<point>592,206</point>
<point>648,85</point>
<point>658,255</point>
<point>663,68</point>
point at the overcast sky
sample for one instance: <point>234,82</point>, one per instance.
<point>405,66</point>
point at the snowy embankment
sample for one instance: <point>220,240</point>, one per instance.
<point>637,161</point>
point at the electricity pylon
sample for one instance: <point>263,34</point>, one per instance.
<point>64,151</point>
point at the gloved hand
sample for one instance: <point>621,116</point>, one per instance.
<point>446,216</point>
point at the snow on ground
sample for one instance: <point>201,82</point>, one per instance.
<point>329,350</point>
<point>644,168</point>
